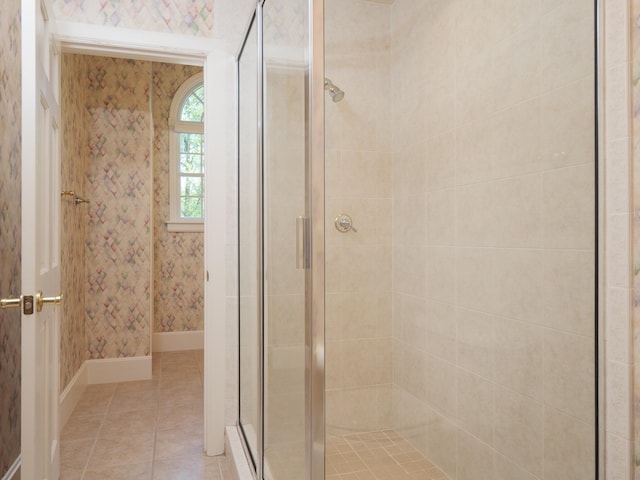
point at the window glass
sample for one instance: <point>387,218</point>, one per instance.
<point>193,106</point>
<point>191,207</point>
<point>191,153</point>
<point>187,162</point>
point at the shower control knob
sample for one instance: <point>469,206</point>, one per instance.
<point>344,223</point>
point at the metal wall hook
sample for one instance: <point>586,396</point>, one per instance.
<point>76,198</point>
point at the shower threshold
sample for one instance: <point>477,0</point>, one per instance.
<point>382,455</point>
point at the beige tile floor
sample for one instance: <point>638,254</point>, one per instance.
<point>377,456</point>
<point>142,430</point>
<point>153,430</point>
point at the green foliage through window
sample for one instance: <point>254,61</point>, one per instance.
<point>191,156</point>
<point>191,174</point>
<point>193,106</point>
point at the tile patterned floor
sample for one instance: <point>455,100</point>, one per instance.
<point>142,430</point>
<point>152,430</point>
<point>377,456</point>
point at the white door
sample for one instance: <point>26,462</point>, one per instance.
<point>40,243</point>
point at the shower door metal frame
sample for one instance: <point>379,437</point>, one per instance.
<point>315,274</point>
<point>599,246</point>
<point>256,459</point>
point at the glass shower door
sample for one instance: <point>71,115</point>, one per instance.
<point>285,77</point>
<point>461,315</point>
<point>278,323</point>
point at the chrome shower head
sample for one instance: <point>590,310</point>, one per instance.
<point>335,92</point>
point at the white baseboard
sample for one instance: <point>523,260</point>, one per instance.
<point>177,341</point>
<point>13,469</point>
<point>234,451</point>
<point>108,370</point>
<point>72,395</point>
<point>113,370</point>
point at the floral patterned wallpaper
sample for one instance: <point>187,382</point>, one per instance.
<point>178,257</point>
<point>118,182</point>
<point>10,233</point>
<point>194,17</point>
<point>73,345</point>
<point>285,23</point>
<point>108,159</point>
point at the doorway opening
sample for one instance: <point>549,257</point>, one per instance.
<point>135,308</point>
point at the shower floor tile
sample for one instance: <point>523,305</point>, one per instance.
<point>381,455</point>
<point>142,430</point>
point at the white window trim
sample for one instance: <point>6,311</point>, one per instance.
<point>176,223</point>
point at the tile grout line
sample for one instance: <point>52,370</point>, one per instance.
<point>155,429</point>
<point>95,440</point>
<point>382,443</point>
<point>196,364</point>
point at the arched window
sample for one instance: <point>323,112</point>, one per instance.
<point>186,121</point>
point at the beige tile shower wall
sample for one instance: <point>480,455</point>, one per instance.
<point>10,232</point>
<point>73,340</point>
<point>358,183</point>
<point>119,229</point>
<point>618,203</point>
<point>493,228</point>
<point>178,257</point>
<point>623,312</point>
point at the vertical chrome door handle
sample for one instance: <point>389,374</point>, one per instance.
<point>303,260</point>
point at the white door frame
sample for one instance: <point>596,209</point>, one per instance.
<point>220,145</point>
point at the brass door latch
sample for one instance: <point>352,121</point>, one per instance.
<point>27,302</point>
<point>42,301</point>
<point>24,301</point>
